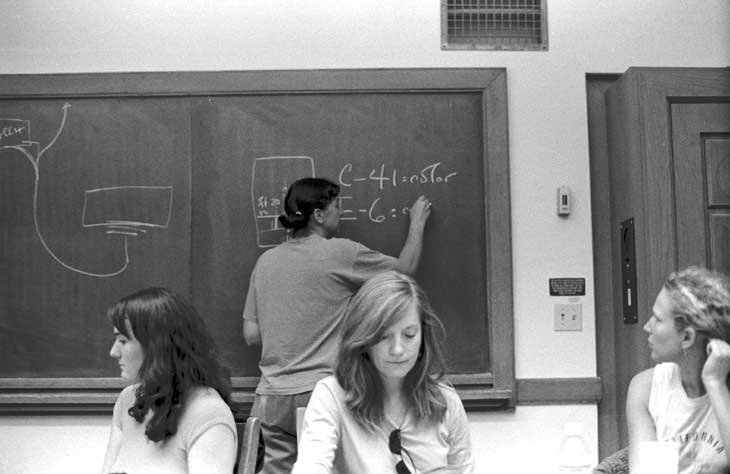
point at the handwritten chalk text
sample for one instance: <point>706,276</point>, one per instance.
<point>430,174</point>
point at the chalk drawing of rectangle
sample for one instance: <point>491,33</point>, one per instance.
<point>270,180</point>
<point>137,206</point>
<point>14,132</point>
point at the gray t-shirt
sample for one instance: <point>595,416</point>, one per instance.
<point>297,295</point>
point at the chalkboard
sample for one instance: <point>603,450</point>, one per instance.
<point>95,203</point>
<point>114,182</point>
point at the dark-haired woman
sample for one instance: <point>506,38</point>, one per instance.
<point>175,416</point>
<point>296,301</point>
<point>386,408</point>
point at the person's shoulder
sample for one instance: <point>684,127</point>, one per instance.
<point>340,249</point>
<point>351,249</point>
<point>206,394</point>
<point>451,396</point>
<point>448,390</point>
<point>644,376</point>
<point>128,393</point>
<point>272,259</point>
<point>329,382</point>
<point>341,242</point>
<point>455,414</point>
<point>125,400</point>
<point>268,254</point>
<point>206,401</point>
<point>203,408</point>
<point>640,385</point>
<point>328,394</point>
<point>330,385</point>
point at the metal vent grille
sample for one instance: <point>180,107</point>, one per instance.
<point>494,24</point>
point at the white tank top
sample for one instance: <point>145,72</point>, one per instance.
<point>688,421</point>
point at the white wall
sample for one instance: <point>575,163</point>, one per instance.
<point>547,139</point>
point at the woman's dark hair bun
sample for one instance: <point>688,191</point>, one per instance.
<point>295,222</point>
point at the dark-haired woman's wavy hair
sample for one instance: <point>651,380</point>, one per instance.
<point>179,355</point>
<point>303,197</point>
<point>379,304</point>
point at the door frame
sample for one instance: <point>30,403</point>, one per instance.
<point>608,409</point>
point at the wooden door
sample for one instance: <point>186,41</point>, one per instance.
<point>701,164</point>
<point>668,136</point>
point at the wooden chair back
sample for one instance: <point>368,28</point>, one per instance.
<point>248,446</point>
<point>300,422</point>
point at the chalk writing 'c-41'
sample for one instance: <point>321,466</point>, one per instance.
<point>427,175</point>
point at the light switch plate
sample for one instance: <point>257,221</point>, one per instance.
<point>568,317</point>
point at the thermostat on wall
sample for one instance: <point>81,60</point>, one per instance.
<point>564,203</point>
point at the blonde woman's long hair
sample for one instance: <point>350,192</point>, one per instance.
<point>379,304</point>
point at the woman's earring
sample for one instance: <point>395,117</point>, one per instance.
<point>684,352</point>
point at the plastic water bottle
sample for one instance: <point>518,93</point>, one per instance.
<point>573,456</point>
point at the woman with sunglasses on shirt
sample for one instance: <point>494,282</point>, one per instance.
<point>386,409</point>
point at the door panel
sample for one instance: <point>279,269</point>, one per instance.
<point>719,241</point>
<point>701,163</point>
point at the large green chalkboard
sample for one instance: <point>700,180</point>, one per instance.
<point>113,182</point>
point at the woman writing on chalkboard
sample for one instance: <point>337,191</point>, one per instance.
<point>175,417</point>
<point>386,408</point>
<point>296,300</point>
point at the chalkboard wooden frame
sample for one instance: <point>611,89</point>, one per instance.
<point>492,389</point>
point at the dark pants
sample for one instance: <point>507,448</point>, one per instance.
<point>278,415</point>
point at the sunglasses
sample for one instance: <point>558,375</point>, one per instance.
<point>396,448</point>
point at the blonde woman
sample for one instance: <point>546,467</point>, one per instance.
<point>386,409</point>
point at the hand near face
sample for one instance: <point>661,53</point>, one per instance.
<point>717,365</point>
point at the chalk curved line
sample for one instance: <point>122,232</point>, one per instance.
<point>62,263</point>
<point>27,154</point>
<point>36,171</point>
<point>35,163</point>
<point>36,167</point>
<point>58,132</point>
